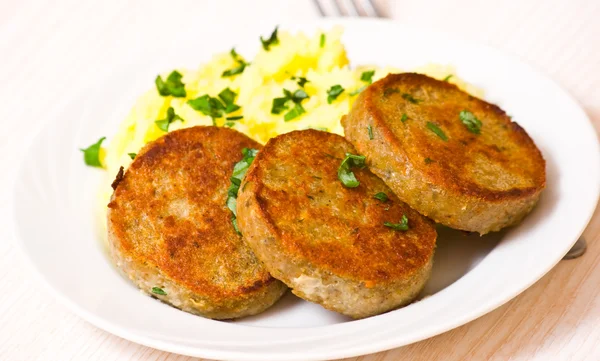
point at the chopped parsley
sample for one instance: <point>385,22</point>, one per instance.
<point>390,91</point>
<point>381,196</point>
<point>273,40</point>
<point>207,105</point>
<point>470,121</point>
<point>437,130</point>
<point>241,65</point>
<point>163,124</point>
<point>296,111</point>
<point>367,77</point>
<point>91,154</point>
<point>410,98</point>
<point>358,91</point>
<point>216,107</point>
<point>227,96</point>
<point>370,130</point>
<point>322,40</point>
<point>345,174</point>
<point>173,86</point>
<point>334,92</point>
<point>447,77</point>
<point>132,155</point>
<point>404,118</point>
<point>300,80</point>
<point>281,104</point>
<point>402,226</point>
<point>428,160</point>
<point>158,291</point>
<point>235,225</point>
<point>298,96</point>
<point>239,171</point>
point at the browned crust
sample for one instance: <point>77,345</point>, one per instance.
<point>168,215</point>
<point>302,222</point>
<point>371,250</point>
<point>118,179</point>
<point>500,168</point>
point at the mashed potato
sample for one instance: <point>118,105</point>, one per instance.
<point>321,59</point>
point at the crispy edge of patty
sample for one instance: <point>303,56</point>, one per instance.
<point>340,293</point>
<point>246,300</point>
<point>474,209</point>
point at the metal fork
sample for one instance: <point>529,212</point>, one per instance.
<point>347,8</point>
<point>368,9</point>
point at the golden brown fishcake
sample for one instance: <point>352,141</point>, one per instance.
<point>326,241</point>
<point>169,226</point>
<point>474,178</point>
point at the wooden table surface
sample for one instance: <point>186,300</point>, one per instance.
<point>51,49</point>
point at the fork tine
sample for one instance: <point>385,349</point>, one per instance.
<point>351,7</point>
<point>328,8</point>
<point>338,8</point>
<point>369,8</point>
<point>319,7</point>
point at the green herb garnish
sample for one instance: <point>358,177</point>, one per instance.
<point>91,154</point>
<point>300,80</point>
<point>322,41</point>
<point>390,91</point>
<point>295,112</point>
<point>273,40</point>
<point>428,160</point>
<point>235,225</point>
<point>239,68</point>
<point>207,105</point>
<point>235,118</point>
<point>381,196</point>
<point>227,96</point>
<point>404,118</point>
<point>370,130</point>
<point>402,226</point>
<point>334,92</point>
<point>132,155</point>
<point>358,91</point>
<point>367,76</point>
<point>158,291</point>
<point>470,121</point>
<point>447,77</point>
<point>281,104</point>
<point>234,71</point>
<point>173,86</point>
<point>239,171</point>
<point>216,107</point>
<point>439,132</point>
<point>163,124</point>
<point>345,174</point>
<point>410,98</point>
<point>299,95</point>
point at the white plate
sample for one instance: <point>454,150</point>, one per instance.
<point>55,219</point>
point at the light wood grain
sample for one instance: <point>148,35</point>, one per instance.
<point>53,49</point>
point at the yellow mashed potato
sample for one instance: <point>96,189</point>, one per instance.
<point>320,58</point>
